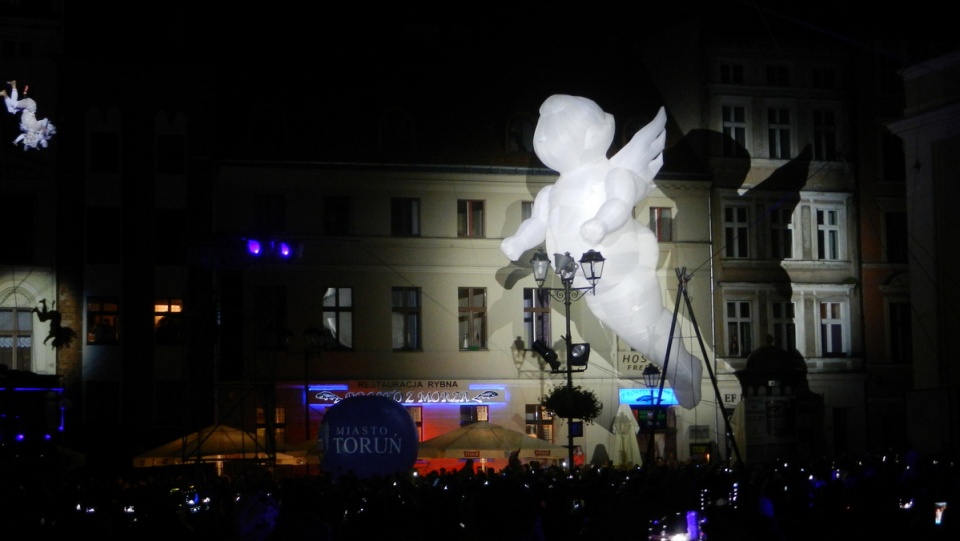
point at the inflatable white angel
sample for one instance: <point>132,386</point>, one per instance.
<point>590,207</point>
<point>34,131</point>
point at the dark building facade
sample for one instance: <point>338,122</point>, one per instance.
<point>121,219</point>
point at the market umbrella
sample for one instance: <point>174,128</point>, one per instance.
<point>626,450</point>
<point>215,443</point>
<point>487,440</point>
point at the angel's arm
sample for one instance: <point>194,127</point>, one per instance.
<point>532,231</point>
<point>621,195</point>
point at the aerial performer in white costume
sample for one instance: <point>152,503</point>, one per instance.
<point>33,131</point>
<point>590,207</point>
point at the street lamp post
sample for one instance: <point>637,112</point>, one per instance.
<point>312,338</point>
<point>566,268</point>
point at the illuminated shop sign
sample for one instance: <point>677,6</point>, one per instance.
<point>427,391</point>
<point>648,397</point>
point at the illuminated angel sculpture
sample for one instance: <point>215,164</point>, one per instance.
<point>34,131</point>
<point>590,207</point>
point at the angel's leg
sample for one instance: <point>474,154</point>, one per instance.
<point>11,99</point>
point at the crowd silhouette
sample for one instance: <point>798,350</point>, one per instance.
<point>892,495</point>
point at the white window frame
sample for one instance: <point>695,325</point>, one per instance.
<point>777,128</point>
<point>538,422</point>
<point>536,316</point>
<point>736,232</point>
<point>405,216</point>
<point>470,317</point>
<point>468,224</point>
<point>784,323</point>
<point>661,223</point>
<point>338,316</point>
<point>526,210</point>
<point>780,227</point>
<point>826,135</point>
<point>736,323</point>
<point>17,336</point>
<point>470,414</point>
<point>406,318</point>
<point>829,235</point>
<point>734,128</point>
<point>828,320</point>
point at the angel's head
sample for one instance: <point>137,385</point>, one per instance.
<point>571,131</point>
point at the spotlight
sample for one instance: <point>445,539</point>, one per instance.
<point>579,355</point>
<point>549,355</point>
<point>272,249</point>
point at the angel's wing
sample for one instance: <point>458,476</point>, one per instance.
<point>644,153</point>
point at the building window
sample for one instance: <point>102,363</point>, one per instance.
<point>473,317</point>
<point>731,73</point>
<point>781,233</point>
<point>168,325</point>
<point>824,135</point>
<point>895,237</point>
<point>16,337</point>
<point>661,222</point>
<point>539,422</point>
<point>103,315</point>
<point>405,217</point>
<point>474,414</point>
<point>735,227</point>
<point>536,315</point>
<point>336,215</point>
<point>338,317</point>
<point>784,325</point>
<point>824,78</point>
<point>734,131</point>
<point>739,329</point>
<point>416,413</point>
<point>279,424</point>
<point>831,329</point>
<point>778,75</point>
<point>899,330</point>
<point>406,318</point>
<point>526,210</point>
<point>778,126</point>
<point>469,218</point>
<point>828,234</point>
